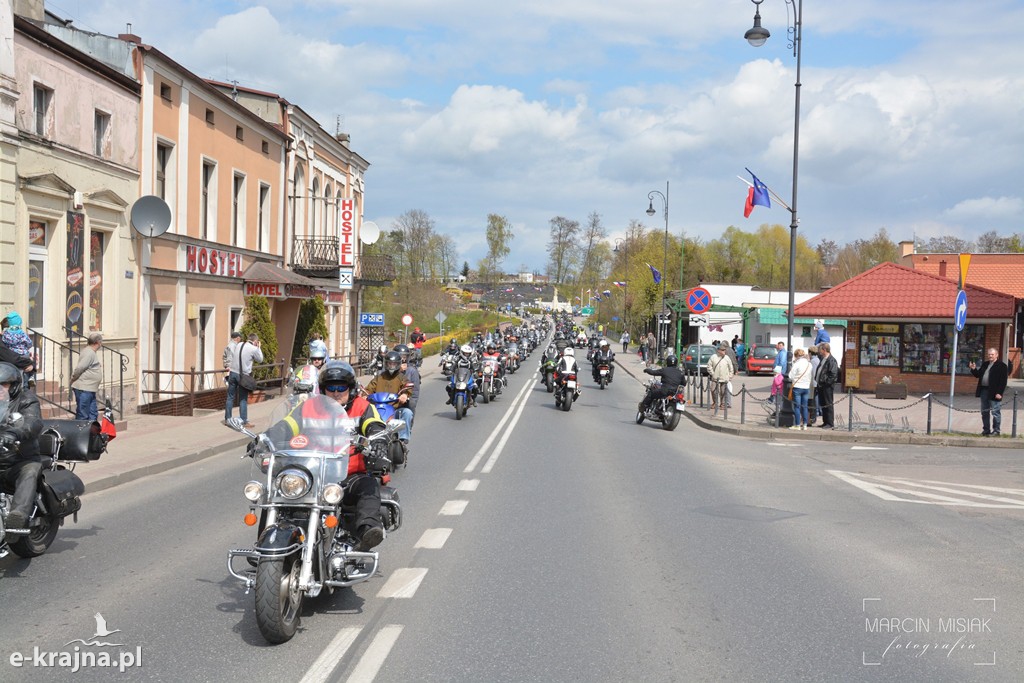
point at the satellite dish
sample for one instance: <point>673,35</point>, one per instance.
<point>369,233</point>
<point>151,216</point>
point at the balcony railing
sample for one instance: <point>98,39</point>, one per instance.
<point>316,257</point>
<point>376,270</point>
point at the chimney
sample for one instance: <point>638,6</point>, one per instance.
<point>129,37</point>
<point>30,9</point>
<point>906,248</point>
<point>942,268</point>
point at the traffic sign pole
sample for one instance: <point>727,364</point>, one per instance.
<point>959,320</point>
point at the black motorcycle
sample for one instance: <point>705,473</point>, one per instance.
<point>665,410</point>
<point>62,445</point>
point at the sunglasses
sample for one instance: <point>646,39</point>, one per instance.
<point>336,387</point>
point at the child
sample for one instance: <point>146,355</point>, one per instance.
<point>14,337</point>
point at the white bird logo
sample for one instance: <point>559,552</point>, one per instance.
<point>101,627</point>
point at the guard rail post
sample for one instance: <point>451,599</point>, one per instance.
<point>928,427</point>
<point>1013,431</point>
<point>743,404</point>
<point>849,421</point>
<point>192,390</point>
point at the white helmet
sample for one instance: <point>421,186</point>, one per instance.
<point>466,350</point>
<point>569,352</point>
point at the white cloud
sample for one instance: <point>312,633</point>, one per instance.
<point>987,208</point>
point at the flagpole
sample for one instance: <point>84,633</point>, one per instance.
<point>778,199</point>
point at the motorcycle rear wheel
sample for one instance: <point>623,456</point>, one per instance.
<point>460,406</point>
<point>670,420</point>
<point>604,382</point>
<point>639,417</point>
<point>36,542</point>
<point>278,598</point>
<point>567,403</point>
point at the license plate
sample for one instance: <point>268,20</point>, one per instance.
<point>570,385</point>
<point>680,406</point>
<point>603,371</point>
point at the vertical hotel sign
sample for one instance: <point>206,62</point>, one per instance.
<point>75,303</point>
<point>348,233</point>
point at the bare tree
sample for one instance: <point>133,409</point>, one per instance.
<point>561,247</point>
<point>417,229</point>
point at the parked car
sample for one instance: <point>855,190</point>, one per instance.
<point>690,361</point>
<point>761,359</point>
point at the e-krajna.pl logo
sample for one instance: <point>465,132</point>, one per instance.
<point>82,656</point>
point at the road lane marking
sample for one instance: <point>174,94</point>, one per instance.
<point>453,508</point>
<point>433,538</point>
<point>468,485</point>
<point>489,465</point>
<point>928,492</point>
<point>332,654</point>
<point>402,583</point>
<point>869,448</point>
<point>497,430</point>
<point>373,659</point>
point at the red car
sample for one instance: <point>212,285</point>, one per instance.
<point>761,359</point>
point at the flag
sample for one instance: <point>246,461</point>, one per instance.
<point>576,298</point>
<point>607,292</point>
<point>619,284</point>
<point>655,273</point>
<point>757,195</point>
<point>597,297</point>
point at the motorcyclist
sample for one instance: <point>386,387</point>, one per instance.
<point>392,380</point>
<point>19,457</point>
<point>412,373</point>
<point>567,365</point>
<point>465,359</point>
<point>377,364</point>
<point>492,352</point>
<point>603,355</point>
<point>304,381</point>
<point>417,338</point>
<point>671,379</point>
<point>337,382</point>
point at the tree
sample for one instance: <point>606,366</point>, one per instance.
<point>416,230</point>
<point>591,265</point>
<point>564,233</point>
<point>312,318</point>
<point>499,239</point>
<point>465,269</point>
<point>257,320</point>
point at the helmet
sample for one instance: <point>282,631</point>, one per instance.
<point>403,351</point>
<point>466,350</point>
<point>491,348</point>
<point>392,363</point>
<point>337,372</point>
<point>604,344</point>
<point>569,352</point>
<point>559,335</point>
<point>317,352</point>
<point>382,349</point>
<point>11,375</point>
<point>671,362</point>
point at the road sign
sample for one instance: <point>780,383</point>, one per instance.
<point>440,317</point>
<point>407,320</point>
<point>698,300</point>
<point>371,319</point>
<point>960,311</point>
<point>965,262</point>
<point>698,321</point>
<point>345,278</point>
<point>587,310</point>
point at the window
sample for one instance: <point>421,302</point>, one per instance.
<point>209,116</point>
<point>266,147</point>
<point>208,201</point>
<point>101,129</point>
<point>880,345</point>
<point>163,161</point>
<point>37,234</point>
<point>262,236</point>
<point>923,348</point>
<point>239,133</point>
<point>238,210</point>
<point>42,102</point>
<point>165,91</point>
<point>95,282</point>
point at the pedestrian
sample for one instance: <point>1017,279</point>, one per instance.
<point>825,380</point>
<point>781,357</point>
<point>625,341</point>
<point>800,375</point>
<point>243,357</point>
<point>229,351</point>
<point>720,371</point>
<point>741,349</point>
<point>813,406</point>
<point>992,377</point>
<point>86,378</point>
<point>652,348</point>
<point>735,341</point>
<point>643,348</point>
<point>820,335</point>
<point>731,353</point>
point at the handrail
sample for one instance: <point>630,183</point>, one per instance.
<point>194,382</point>
<point>51,354</point>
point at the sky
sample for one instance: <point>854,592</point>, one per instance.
<point>911,112</point>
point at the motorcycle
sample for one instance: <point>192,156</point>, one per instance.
<point>490,383</point>
<point>604,374</point>
<point>665,410</point>
<point>547,369</point>
<point>567,390</point>
<point>306,541</point>
<point>447,364</point>
<point>62,444</point>
<point>303,382</point>
<point>396,449</point>
<point>463,387</point>
<point>512,351</point>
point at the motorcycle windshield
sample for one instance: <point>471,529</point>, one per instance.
<point>318,424</point>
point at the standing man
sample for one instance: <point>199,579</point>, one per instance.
<point>625,341</point>
<point>652,348</point>
<point>242,359</point>
<point>992,376</point>
<point>781,358</point>
<point>229,350</point>
<point>720,371</point>
<point>825,380</point>
<point>86,379</point>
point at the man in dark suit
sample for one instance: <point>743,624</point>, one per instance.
<point>825,379</point>
<point>992,376</point>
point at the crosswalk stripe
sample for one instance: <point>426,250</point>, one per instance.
<point>928,492</point>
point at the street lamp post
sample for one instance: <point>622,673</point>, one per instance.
<point>625,278</point>
<point>664,258</point>
<point>757,36</point>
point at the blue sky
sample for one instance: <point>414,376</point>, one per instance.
<point>911,112</point>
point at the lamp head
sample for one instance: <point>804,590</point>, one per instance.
<point>757,35</point>
<point>650,208</point>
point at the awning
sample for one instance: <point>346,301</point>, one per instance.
<point>777,316</point>
<point>264,279</point>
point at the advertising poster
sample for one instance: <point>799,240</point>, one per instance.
<point>74,307</point>
<point>95,280</point>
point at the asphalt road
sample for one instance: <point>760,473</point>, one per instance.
<point>548,546</point>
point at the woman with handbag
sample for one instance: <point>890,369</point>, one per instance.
<point>800,374</point>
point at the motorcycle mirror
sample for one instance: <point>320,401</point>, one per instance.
<point>238,425</point>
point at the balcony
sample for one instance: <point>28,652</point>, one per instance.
<point>316,257</point>
<point>375,270</point>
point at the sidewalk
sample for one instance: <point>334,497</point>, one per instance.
<point>871,416</point>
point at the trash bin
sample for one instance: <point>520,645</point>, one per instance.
<point>786,413</point>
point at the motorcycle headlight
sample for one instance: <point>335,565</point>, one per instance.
<point>294,483</point>
<point>253,491</point>
<point>333,494</point>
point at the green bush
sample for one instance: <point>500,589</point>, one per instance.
<point>257,321</point>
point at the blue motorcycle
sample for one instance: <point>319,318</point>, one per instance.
<point>386,403</point>
<point>463,388</point>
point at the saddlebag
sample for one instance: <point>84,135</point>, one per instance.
<point>62,490</point>
<point>80,440</point>
<point>390,508</point>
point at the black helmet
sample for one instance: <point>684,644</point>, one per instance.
<point>392,363</point>
<point>491,348</point>
<point>671,362</point>
<point>11,375</point>
<point>402,351</point>
<point>337,372</point>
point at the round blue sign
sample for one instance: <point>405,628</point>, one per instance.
<point>960,312</point>
<point>698,300</point>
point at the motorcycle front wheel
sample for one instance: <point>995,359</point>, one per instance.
<point>460,406</point>
<point>36,543</point>
<point>670,420</point>
<point>278,598</point>
<point>486,394</point>
<point>639,417</point>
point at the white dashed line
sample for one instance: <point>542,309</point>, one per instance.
<point>433,538</point>
<point>454,508</point>
<point>373,659</point>
<point>332,654</point>
<point>402,583</point>
<point>468,485</point>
